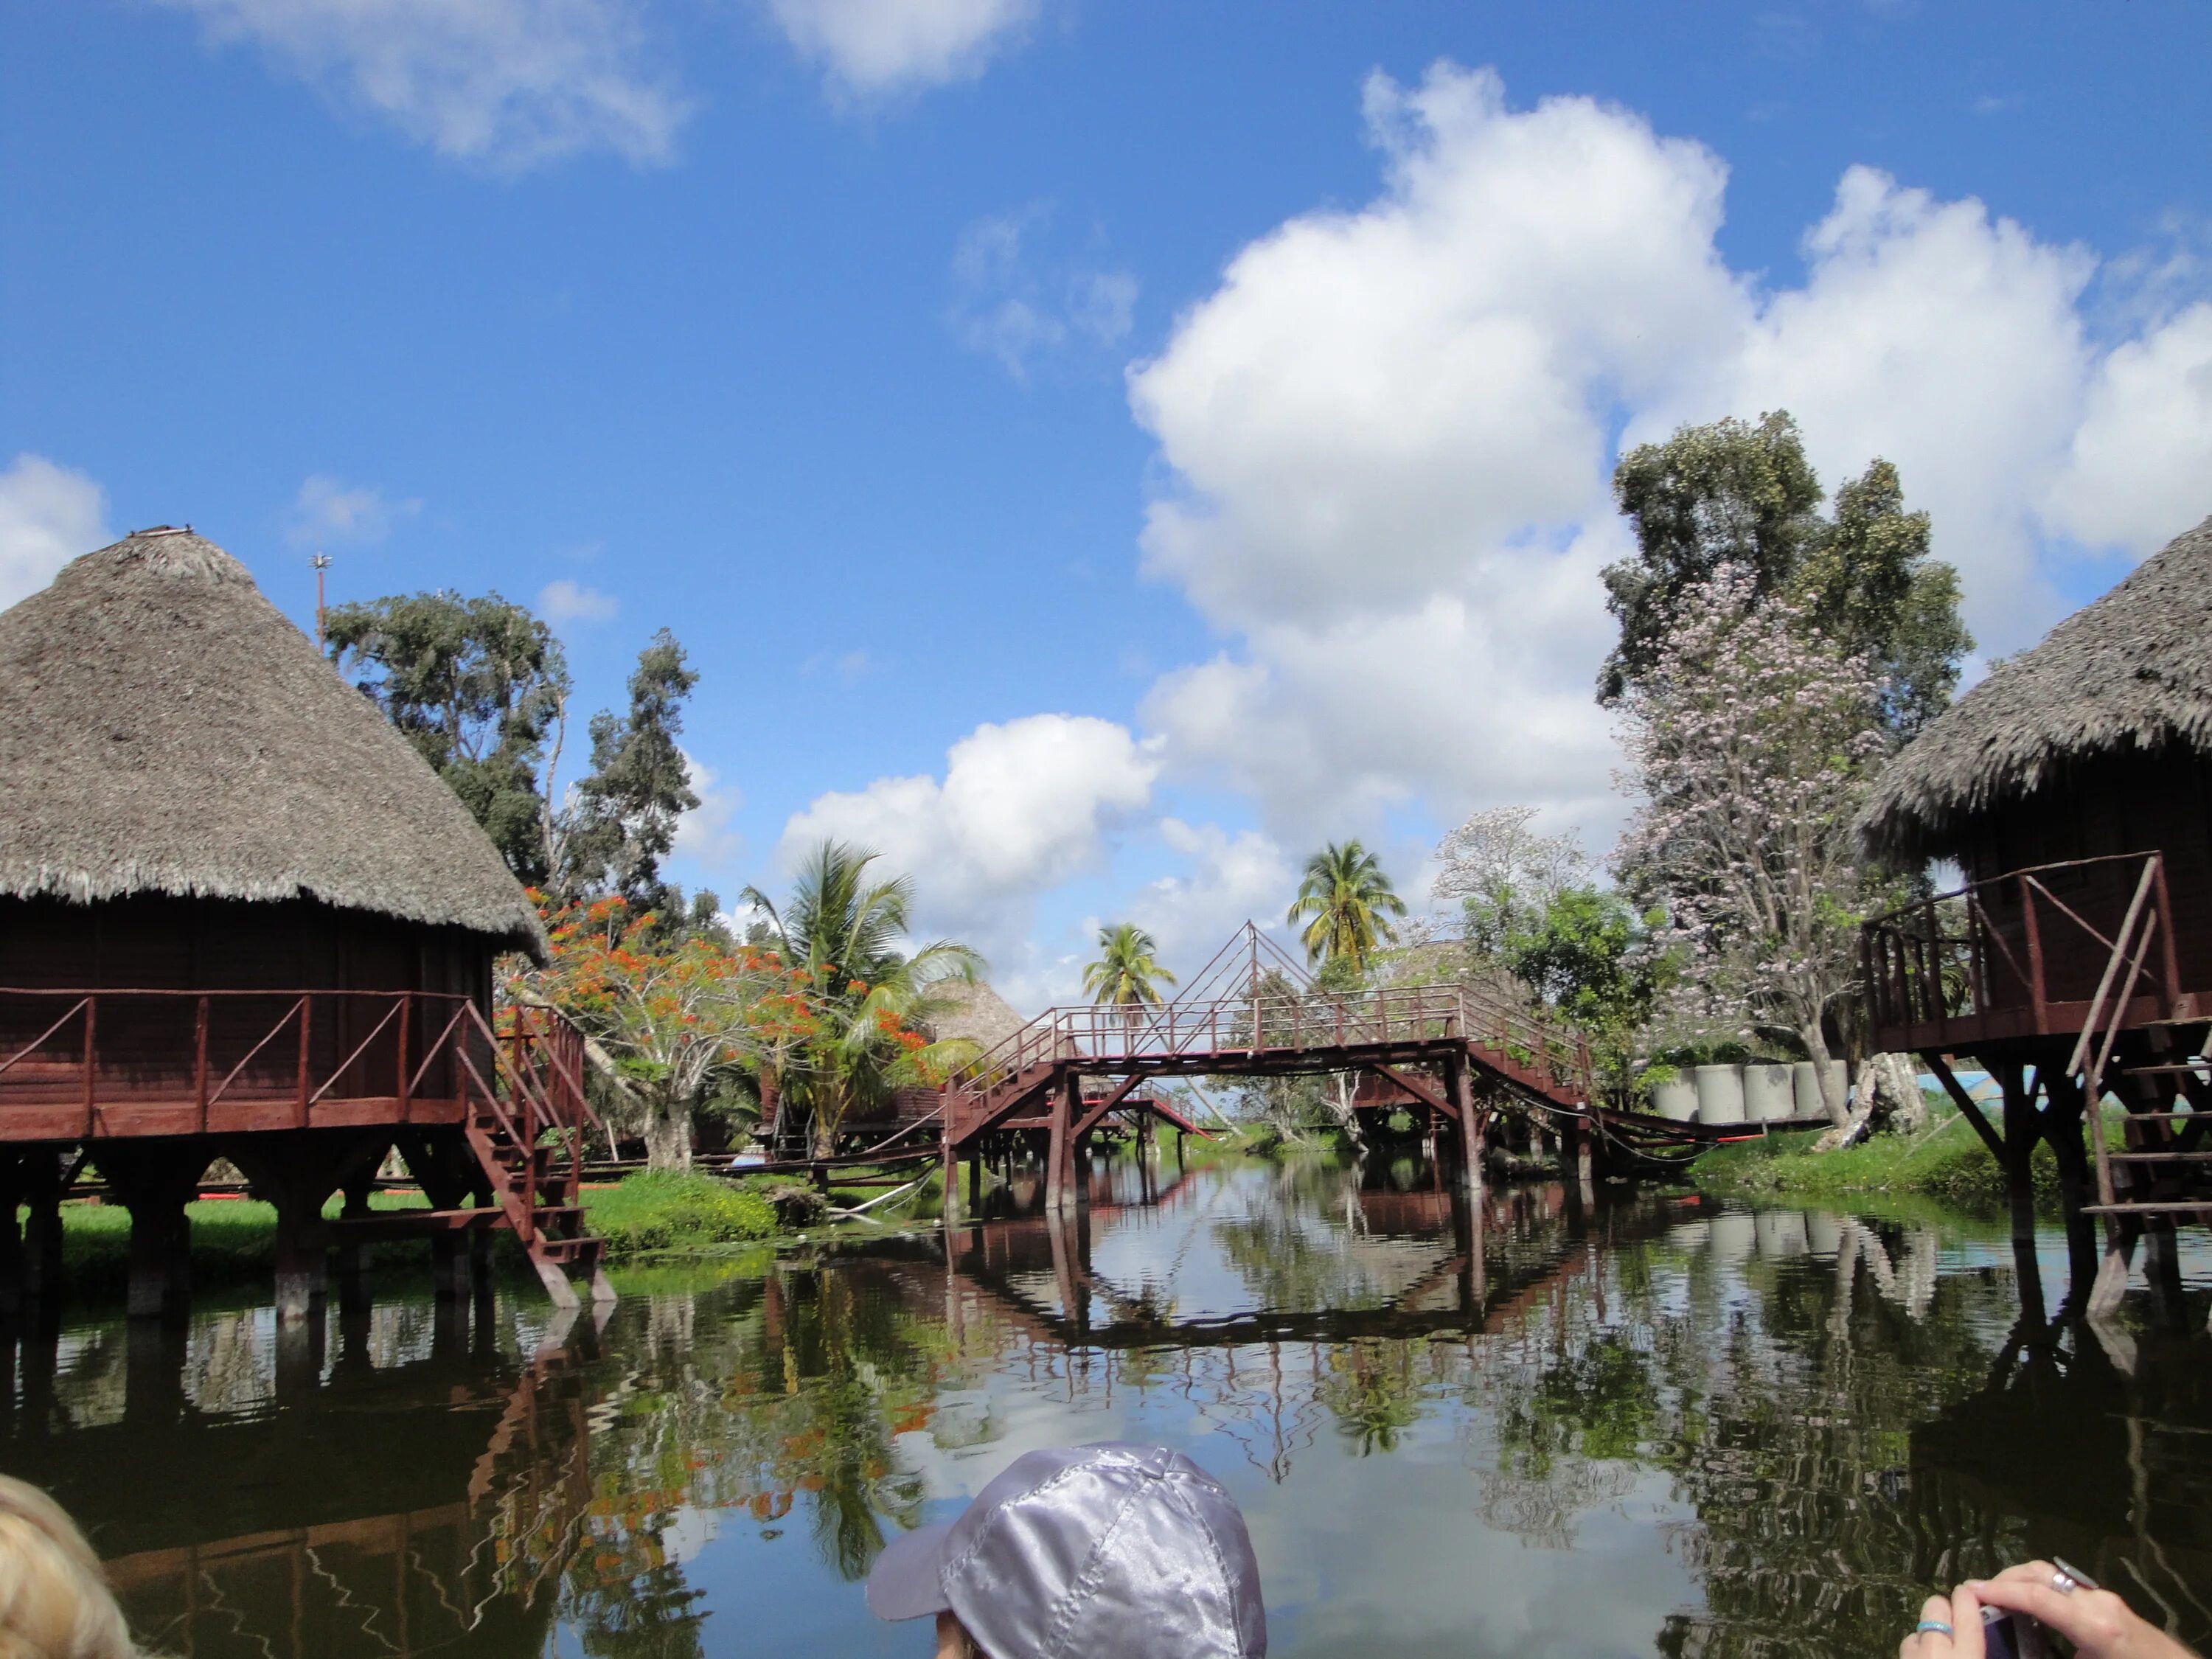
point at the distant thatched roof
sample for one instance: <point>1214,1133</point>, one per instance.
<point>2133,670</point>
<point>977,1012</point>
<point>164,729</point>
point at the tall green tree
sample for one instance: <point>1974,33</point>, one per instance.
<point>1735,492</point>
<point>842,936</point>
<point>623,821</point>
<point>1127,972</point>
<point>1347,905</point>
<point>1741,495</point>
<point>476,685</point>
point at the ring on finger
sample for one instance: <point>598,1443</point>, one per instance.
<point>2064,1581</point>
<point>1936,1625</point>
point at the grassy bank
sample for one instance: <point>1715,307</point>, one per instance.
<point>234,1240</point>
<point>1947,1164</point>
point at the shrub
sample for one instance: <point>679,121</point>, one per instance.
<point>664,1209</point>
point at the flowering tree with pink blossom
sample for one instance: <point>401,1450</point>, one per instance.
<point>1753,742</point>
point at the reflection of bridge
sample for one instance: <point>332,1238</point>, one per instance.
<point>1451,1292</point>
<point>1459,1052</point>
<point>421,1502</point>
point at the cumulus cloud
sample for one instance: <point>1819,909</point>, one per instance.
<point>705,834</point>
<point>565,600</point>
<point>1388,436</point>
<point>2139,468</point>
<point>878,46</point>
<point>1021,807</point>
<point>328,511</point>
<point>48,515</point>
<point>1011,306</point>
<point>508,84</point>
<point>1232,879</point>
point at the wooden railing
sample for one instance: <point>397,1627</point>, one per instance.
<point>2032,952</point>
<point>1182,1036</point>
<point>182,1061</point>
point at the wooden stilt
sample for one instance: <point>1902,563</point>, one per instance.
<point>948,1163</point>
<point>2022,1130</point>
<point>1461,1088</point>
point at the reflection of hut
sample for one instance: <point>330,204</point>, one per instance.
<point>2074,788</point>
<point>240,916</point>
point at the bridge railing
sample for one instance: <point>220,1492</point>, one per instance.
<point>1109,1035</point>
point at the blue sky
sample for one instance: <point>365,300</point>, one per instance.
<point>1092,451</point>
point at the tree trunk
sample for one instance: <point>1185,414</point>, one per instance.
<point>1347,1119</point>
<point>1892,1082</point>
<point>1833,1097</point>
<point>668,1134</point>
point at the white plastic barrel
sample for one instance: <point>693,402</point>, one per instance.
<point>1677,1099</point>
<point>1769,1093</point>
<point>1720,1094</point>
<point>1805,1082</point>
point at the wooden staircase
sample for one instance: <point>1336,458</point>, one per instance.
<point>526,1127</point>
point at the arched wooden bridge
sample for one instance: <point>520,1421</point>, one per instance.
<point>1460,1053</point>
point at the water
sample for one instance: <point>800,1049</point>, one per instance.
<point>1659,1425</point>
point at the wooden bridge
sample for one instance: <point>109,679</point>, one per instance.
<point>1460,1053</point>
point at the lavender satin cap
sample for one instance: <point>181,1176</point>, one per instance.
<point>1107,1552</point>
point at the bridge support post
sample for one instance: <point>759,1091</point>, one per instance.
<point>155,1180</point>
<point>2022,1129</point>
<point>1060,1149</point>
<point>948,1162</point>
<point>1461,1086</point>
<point>1574,1152</point>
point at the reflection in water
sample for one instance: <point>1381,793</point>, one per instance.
<point>1657,1423</point>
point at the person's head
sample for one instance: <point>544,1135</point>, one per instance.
<point>1105,1551</point>
<point>54,1600</point>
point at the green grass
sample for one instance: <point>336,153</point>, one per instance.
<point>674,1210</point>
<point>1948,1163</point>
<point>234,1240</point>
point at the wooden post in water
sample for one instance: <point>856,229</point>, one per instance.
<point>1060,1152</point>
<point>948,1160</point>
<point>1462,1088</point>
<point>2022,1129</point>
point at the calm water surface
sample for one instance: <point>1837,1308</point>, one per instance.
<point>1647,1424</point>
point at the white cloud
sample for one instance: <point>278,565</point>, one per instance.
<point>1388,432</point>
<point>1010,305</point>
<point>878,46</point>
<point>704,832</point>
<point>1944,340</point>
<point>328,510</point>
<point>564,599</point>
<point>48,515</point>
<point>1233,879</point>
<point>1022,807</point>
<point>507,84</point>
<point>2139,470</point>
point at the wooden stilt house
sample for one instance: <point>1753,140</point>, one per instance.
<point>2072,788</point>
<point>241,918</point>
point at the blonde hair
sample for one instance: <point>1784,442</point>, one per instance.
<point>54,1600</point>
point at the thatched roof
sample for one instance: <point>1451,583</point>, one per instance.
<point>164,729</point>
<point>2133,670</point>
<point>977,1012</point>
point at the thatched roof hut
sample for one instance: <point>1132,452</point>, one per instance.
<point>165,730</point>
<point>977,1012</point>
<point>2130,675</point>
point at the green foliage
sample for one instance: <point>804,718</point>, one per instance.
<point>1346,904</point>
<point>673,1209</point>
<point>1588,956</point>
<point>842,938</point>
<point>1729,492</point>
<point>476,685</point>
<point>1736,493</point>
<point>624,820</point>
<point>1947,1164</point>
<point>1127,972</point>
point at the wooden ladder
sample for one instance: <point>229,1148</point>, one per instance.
<point>525,1127</point>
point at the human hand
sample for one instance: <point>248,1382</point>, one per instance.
<point>2097,1622</point>
<point>1956,1632</point>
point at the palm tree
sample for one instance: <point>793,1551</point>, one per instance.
<point>845,933</point>
<point>1127,974</point>
<point>1347,902</point>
